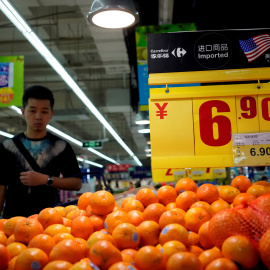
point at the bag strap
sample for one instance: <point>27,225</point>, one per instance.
<point>26,154</point>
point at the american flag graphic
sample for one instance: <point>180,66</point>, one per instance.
<point>255,46</point>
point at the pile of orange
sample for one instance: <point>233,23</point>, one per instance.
<point>163,229</point>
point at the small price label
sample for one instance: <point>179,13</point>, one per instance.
<point>251,149</point>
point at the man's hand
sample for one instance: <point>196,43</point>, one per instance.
<point>32,178</point>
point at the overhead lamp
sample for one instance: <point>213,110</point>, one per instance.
<point>144,129</point>
<point>142,118</point>
<point>14,16</point>
<point>113,14</point>
<point>147,148</point>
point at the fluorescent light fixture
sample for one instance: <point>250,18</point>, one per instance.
<point>148,155</point>
<point>5,134</point>
<point>137,160</point>
<point>23,27</point>
<point>144,129</point>
<point>113,14</point>
<point>90,162</point>
<point>147,148</point>
<point>142,118</point>
<point>103,156</point>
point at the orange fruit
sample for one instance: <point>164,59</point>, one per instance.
<point>195,250</point>
<point>60,209</point>
<point>49,216</point>
<point>171,247</point>
<point>153,212</point>
<point>241,182</point>
<point>174,232</point>
<point>206,206</point>
<point>129,251</point>
<point>61,236</point>
<point>89,211</point>
<point>208,256</point>
<point>97,222</point>
<point>264,248</point>
<point>133,205</point>
<point>10,224</point>
<point>172,216</point>
<point>123,266</point>
<point>70,207</point>
<point>203,234</point>
<point>42,241</point>
<point>257,190</point>
<point>54,229</point>
<point>147,196</point>
<point>135,217</point>
<point>84,264</point>
<point>11,239</point>
<point>171,206</point>
<point>125,200</point>
<point>2,223</point>
<point>82,242</point>
<point>195,217</point>
<point>96,236</point>
<point>219,205</point>
<point>76,213</point>
<point>228,193</point>
<point>240,249</point>
<point>193,239</point>
<point>58,265</point>
<point>115,218</point>
<point>167,194</point>
<point>149,233</point>
<point>207,193</point>
<point>127,258</point>
<point>149,257</point>
<point>31,257</point>
<point>82,227</point>
<point>126,236</point>
<point>26,229</point>
<point>84,200</point>
<point>102,202</point>
<point>243,198</point>
<point>67,250</point>
<point>221,264</point>
<point>186,199</point>
<point>15,248</point>
<point>185,184</point>
<point>104,254</point>
<point>11,263</point>
<point>3,238</point>
<point>183,261</point>
<point>67,222</point>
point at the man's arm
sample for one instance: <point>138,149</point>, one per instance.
<point>32,178</point>
<point>2,197</point>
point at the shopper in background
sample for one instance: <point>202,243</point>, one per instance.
<point>264,178</point>
<point>30,183</point>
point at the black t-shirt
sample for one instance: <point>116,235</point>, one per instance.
<point>54,156</point>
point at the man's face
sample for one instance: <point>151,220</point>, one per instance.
<point>37,114</point>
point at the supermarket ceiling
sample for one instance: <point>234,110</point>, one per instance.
<point>103,63</point>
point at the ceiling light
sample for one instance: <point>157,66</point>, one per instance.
<point>148,155</point>
<point>147,148</point>
<point>25,29</point>
<point>144,129</point>
<point>142,118</point>
<point>113,14</point>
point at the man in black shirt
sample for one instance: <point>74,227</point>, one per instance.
<point>30,183</point>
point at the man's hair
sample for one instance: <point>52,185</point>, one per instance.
<point>37,92</point>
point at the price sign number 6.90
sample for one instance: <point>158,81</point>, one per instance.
<point>222,123</point>
<point>262,151</point>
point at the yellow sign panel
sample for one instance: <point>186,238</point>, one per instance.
<point>192,127</point>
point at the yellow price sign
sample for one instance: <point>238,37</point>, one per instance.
<point>251,149</point>
<point>192,127</point>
